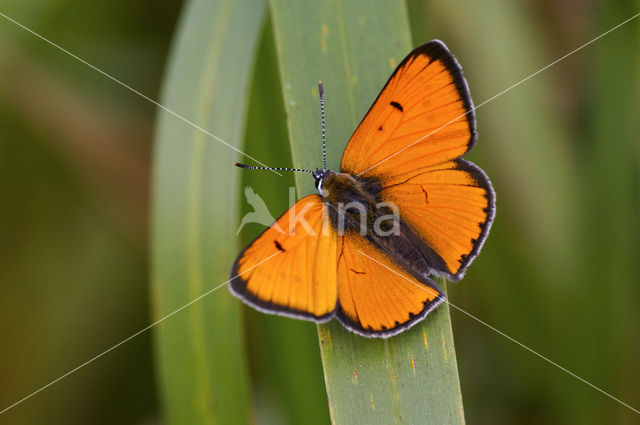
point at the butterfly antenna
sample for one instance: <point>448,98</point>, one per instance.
<point>324,142</point>
<point>249,167</point>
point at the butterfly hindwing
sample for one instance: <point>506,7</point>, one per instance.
<point>450,207</point>
<point>290,269</point>
<point>378,298</point>
<point>422,117</point>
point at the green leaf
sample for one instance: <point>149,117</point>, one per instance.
<point>353,46</point>
<point>200,352</point>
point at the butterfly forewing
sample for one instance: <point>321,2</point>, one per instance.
<point>291,271</point>
<point>422,117</point>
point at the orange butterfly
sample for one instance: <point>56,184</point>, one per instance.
<point>404,206</point>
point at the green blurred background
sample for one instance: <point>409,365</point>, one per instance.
<point>558,272</point>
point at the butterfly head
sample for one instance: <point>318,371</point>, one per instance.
<point>320,175</point>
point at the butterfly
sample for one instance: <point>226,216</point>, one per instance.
<point>403,207</point>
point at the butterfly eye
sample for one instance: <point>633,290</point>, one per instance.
<point>319,176</point>
<point>319,184</point>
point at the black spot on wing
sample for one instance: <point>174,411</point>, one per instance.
<point>397,106</point>
<point>279,246</point>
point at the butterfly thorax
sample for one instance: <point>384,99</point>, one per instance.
<point>349,198</point>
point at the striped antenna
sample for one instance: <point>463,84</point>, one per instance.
<point>316,174</point>
<point>324,143</point>
<point>249,167</point>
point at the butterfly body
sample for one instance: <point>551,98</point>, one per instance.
<point>351,201</point>
<point>403,207</point>
<point>353,205</point>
